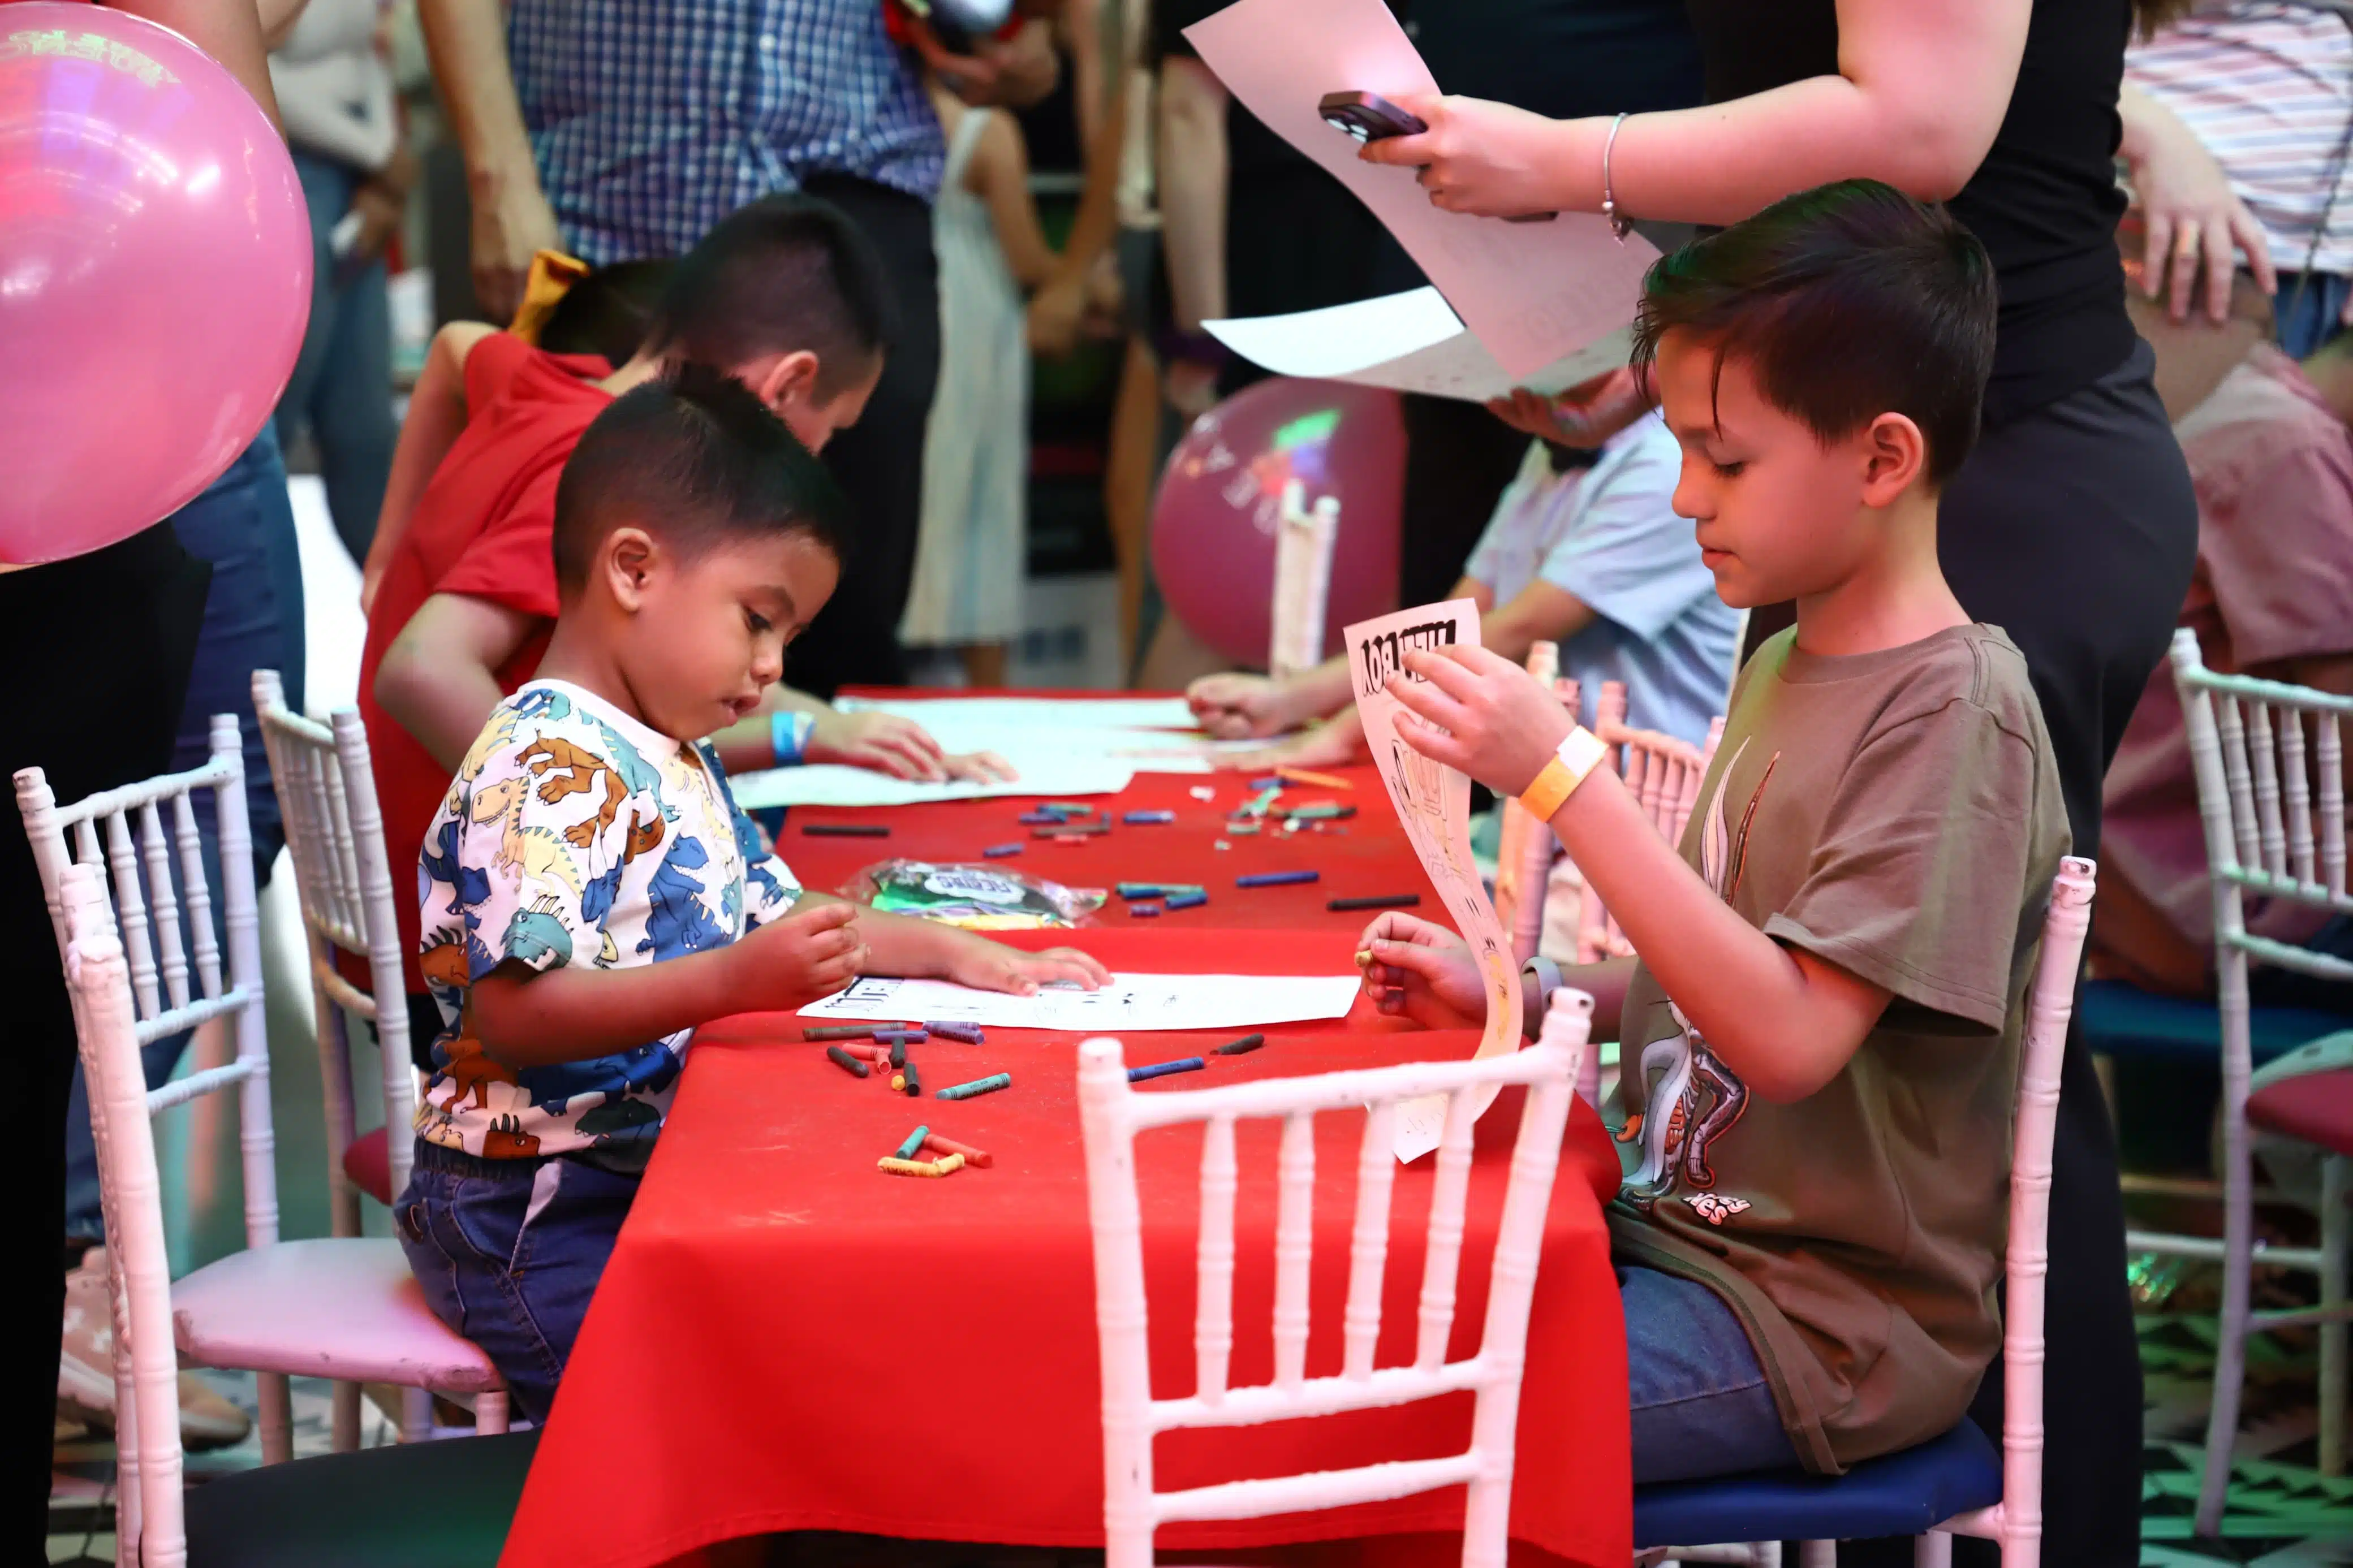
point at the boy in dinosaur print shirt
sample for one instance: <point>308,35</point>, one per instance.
<point>588,890</point>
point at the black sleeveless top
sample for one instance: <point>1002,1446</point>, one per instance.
<point>2044,201</point>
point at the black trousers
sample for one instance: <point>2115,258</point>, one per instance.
<point>2075,530</point>
<point>97,651</point>
<point>879,461</point>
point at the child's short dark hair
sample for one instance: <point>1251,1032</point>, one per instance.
<point>695,458</point>
<point>1846,301</point>
<point>608,312</point>
<point>784,274</point>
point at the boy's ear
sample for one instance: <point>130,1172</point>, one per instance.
<point>629,558</point>
<point>1895,455</point>
<point>785,378</point>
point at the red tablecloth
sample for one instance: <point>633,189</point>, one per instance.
<point>787,1338</point>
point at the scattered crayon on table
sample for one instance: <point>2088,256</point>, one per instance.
<point>1322,811</point>
<point>899,1083</point>
<point>1242,1046</point>
<point>839,1032</point>
<point>1241,829</point>
<point>1276,878</point>
<point>1144,912</point>
<point>899,1052</point>
<point>979,1159</point>
<point>1319,781</point>
<point>999,851</point>
<point>915,1142</point>
<point>898,1167</point>
<point>1202,792</point>
<point>1184,900</point>
<point>988,1085</point>
<point>869,1052</point>
<point>1272,781</point>
<point>1148,818</point>
<point>1375,901</point>
<point>969,1034</point>
<point>914,1086</point>
<point>1073,830</point>
<point>909,1036</point>
<point>1162,1069</point>
<point>845,1061</point>
<point>1039,819</point>
<point>845,830</point>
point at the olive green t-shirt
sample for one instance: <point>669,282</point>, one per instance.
<point>1898,815</point>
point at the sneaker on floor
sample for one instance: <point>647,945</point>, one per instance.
<point>86,1368</point>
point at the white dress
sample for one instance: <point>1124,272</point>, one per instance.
<point>970,556</point>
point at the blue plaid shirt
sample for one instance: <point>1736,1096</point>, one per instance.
<point>654,118</point>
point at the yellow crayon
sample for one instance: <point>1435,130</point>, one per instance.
<point>912,1167</point>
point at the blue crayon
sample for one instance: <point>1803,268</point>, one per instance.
<point>1144,912</point>
<point>1162,1069</point>
<point>1276,878</point>
<point>1148,818</point>
<point>988,1085</point>
<point>1139,889</point>
<point>1187,901</point>
<point>1040,818</point>
<point>999,851</point>
<point>913,1146</point>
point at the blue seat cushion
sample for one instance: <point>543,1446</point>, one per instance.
<point>2121,1020</point>
<point>411,1505</point>
<point>1899,1494</point>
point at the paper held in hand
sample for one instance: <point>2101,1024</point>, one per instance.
<point>1433,802</point>
<point>1408,343</point>
<point>1532,294</point>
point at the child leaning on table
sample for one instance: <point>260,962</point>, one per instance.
<point>1821,1039</point>
<point>589,895</point>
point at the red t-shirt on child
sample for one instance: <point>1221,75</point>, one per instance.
<point>484,527</point>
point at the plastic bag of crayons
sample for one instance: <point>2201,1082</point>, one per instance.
<point>977,898</point>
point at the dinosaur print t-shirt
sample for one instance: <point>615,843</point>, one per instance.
<point>1898,815</point>
<point>574,835</point>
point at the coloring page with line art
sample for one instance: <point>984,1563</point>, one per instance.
<point>1136,1003</point>
<point>1434,803</point>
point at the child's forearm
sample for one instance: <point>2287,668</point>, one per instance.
<point>444,703</point>
<point>748,745</point>
<point>1318,693</point>
<point>904,946</point>
<point>526,1019</point>
<point>1605,981</point>
<point>1785,1024</point>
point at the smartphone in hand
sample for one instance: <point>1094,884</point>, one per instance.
<point>1369,117</point>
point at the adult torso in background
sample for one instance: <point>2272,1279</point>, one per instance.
<point>2045,200</point>
<point>650,127</point>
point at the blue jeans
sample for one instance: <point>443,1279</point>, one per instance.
<point>2307,309</point>
<point>342,386</point>
<point>1701,1404</point>
<point>509,1252</point>
<point>243,525</point>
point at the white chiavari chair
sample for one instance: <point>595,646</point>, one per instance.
<point>1112,1114</point>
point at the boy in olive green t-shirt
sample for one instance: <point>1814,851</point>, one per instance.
<point>1820,1041</point>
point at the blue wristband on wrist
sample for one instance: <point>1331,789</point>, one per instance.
<point>788,737</point>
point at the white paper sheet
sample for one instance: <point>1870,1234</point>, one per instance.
<point>827,784</point>
<point>1079,712</point>
<point>1410,342</point>
<point>1531,292</point>
<point>1138,1003</point>
<point>1434,803</point>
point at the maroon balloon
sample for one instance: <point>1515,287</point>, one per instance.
<point>1213,522</point>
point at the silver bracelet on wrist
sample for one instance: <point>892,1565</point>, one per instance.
<point>1620,225</point>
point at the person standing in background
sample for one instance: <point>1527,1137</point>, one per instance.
<point>334,88</point>
<point>2261,93</point>
<point>623,131</point>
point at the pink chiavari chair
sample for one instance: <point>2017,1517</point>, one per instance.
<point>341,1307</point>
<point>2270,764</point>
<point>1112,1113</point>
<point>1303,537</point>
<point>1524,849</point>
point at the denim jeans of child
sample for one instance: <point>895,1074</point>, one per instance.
<point>509,1252</point>
<point>1701,1404</point>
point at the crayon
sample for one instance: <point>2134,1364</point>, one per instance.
<point>979,1086</point>
<point>899,1083</point>
<point>999,851</point>
<point>899,1052</point>
<point>1162,1069</point>
<point>1376,901</point>
<point>952,1164</point>
<point>979,1159</point>
<point>1144,912</point>
<point>1276,878</point>
<point>845,1061</point>
<point>914,1085</point>
<point>1322,811</point>
<point>1242,1046</point>
<point>839,1032</point>
<point>906,1037</point>
<point>845,830</point>
<point>1202,792</point>
<point>969,1034</point>
<point>1319,781</point>
<point>1185,901</point>
<point>1148,818</point>
<point>898,1167</point>
<point>915,1142</point>
<point>1072,830</point>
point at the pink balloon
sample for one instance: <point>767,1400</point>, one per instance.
<point>1213,522</point>
<point>154,275</point>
